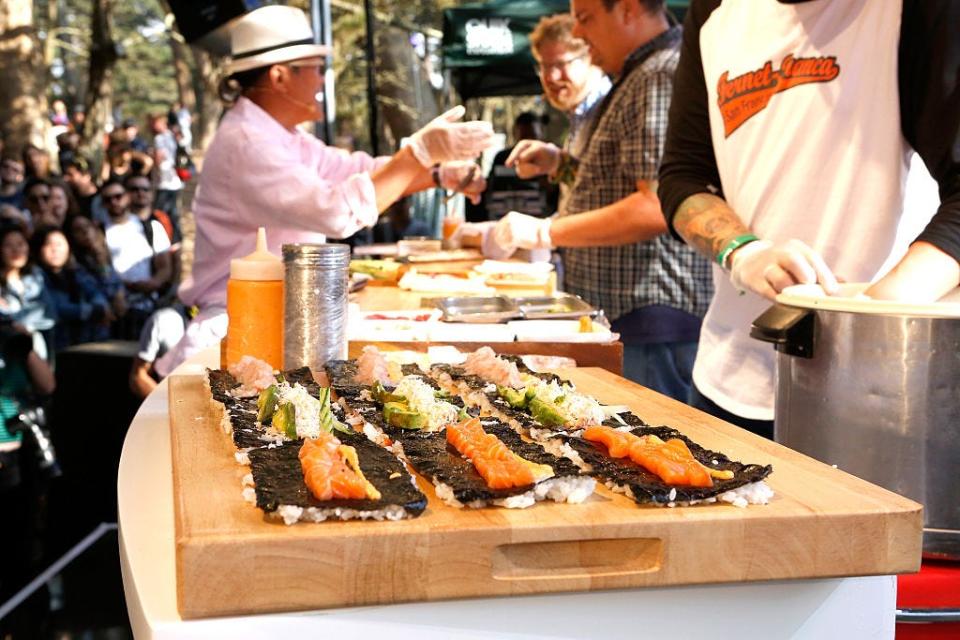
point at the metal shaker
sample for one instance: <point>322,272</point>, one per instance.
<point>316,284</point>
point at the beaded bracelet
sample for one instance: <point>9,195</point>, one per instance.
<point>732,246</point>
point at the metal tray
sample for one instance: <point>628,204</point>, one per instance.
<point>554,307</point>
<point>485,310</point>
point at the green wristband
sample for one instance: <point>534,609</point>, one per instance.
<point>732,246</point>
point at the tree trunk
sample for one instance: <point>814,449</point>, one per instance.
<point>406,98</point>
<point>23,104</point>
<point>182,73</point>
<point>103,56</point>
<point>209,107</point>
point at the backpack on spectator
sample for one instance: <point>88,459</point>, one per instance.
<point>183,165</point>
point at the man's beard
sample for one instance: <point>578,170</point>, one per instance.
<point>568,103</point>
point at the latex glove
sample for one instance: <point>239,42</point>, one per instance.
<point>463,176</point>
<point>766,268</point>
<point>444,139</point>
<point>533,158</point>
<point>519,231</point>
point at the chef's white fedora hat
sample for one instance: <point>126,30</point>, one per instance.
<point>271,35</point>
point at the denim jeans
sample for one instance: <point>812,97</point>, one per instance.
<point>168,201</point>
<point>703,403</point>
<point>663,367</point>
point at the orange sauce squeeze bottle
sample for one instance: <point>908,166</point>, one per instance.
<point>255,307</point>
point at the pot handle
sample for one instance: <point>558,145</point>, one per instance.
<point>791,330</point>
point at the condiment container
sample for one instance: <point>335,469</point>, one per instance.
<point>316,284</point>
<point>255,307</point>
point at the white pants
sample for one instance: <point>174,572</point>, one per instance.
<point>206,330</point>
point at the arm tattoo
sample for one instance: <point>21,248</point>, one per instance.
<point>707,223</point>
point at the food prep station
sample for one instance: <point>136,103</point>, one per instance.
<point>805,559</point>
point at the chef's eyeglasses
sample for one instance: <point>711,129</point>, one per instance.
<point>561,65</point>
<point>319,63</point>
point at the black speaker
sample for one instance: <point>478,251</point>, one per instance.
<point>91,410</point>
<point>202,22</point>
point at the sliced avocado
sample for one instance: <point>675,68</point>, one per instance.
<point>399,415</point>
<point>383,396</point>
<point>516,399</point>
<point>545,413</point>
<point>285,420</point>
<point>266,404</point>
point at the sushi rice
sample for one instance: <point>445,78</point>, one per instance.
<point>568,489</point>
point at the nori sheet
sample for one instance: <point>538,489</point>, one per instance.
<point>525,420</point>
<point>242,412</point>
<point>278,478</point>
<point>341,374</point>
<point>648,487</point>
<point>431,456</point>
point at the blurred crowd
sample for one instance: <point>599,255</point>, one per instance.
<point>85,254</point>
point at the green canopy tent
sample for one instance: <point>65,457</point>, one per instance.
<point>485,45</point>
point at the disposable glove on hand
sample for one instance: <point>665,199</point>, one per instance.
<point>766,268</point>
<point>519,231</point>
<point>444,139</point>
<point>533,158</point>
<point>463,176</point>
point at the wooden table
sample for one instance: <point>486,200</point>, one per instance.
<point>798,608</point>
<point>384,297</point>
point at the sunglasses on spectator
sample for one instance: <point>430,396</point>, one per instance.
<point>114,196</point>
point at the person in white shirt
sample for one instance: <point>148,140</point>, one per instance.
<point>261,170</point>
<point>144,264</point>
<point>169,184</point>
<point>791,129</point>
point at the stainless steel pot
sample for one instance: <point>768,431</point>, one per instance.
<point>878,395</point>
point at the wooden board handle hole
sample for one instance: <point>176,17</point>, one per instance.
<point>576,559</point>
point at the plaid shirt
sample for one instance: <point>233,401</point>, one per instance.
<point>624,147</point>
<point>582,119</point>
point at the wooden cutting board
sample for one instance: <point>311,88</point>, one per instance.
<point>232,561</point>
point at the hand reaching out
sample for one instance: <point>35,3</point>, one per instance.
<point>532,158</point>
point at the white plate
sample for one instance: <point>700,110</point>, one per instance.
<point>456,332</point>
<point>388,331</point>
<point>559,331</point>
<point>410,315</point>
<point>443,284</point>
<point>491,267</point>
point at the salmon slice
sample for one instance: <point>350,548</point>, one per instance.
<point>499,467</point>
<point>327,473</point>
<point>671,461</point>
